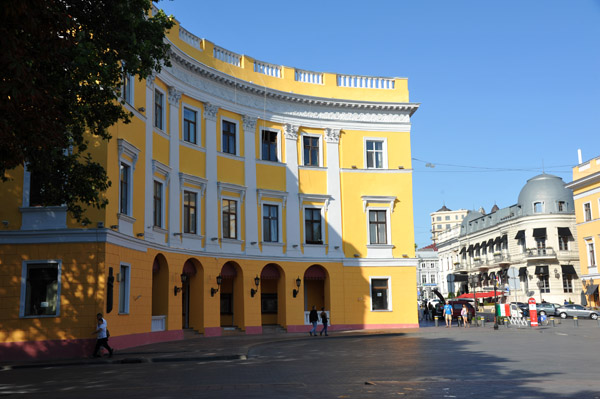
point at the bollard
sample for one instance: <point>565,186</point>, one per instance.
<point>436,320</point>
<point>552,320</point>
<point>506,321</point>
<point>575,321</point>
<point>482,321</point>
<point>598,320</point>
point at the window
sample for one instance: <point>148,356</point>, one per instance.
<point>563,243</point>
<point>439,218</point>
<point>268,303</point>
<point>124,284</point>
<point>127,93</point>
<point>545,286</point>
<point>591,254</point>
<point>269,146</point>
<point>35,190</point>
<point>125,178</point>
<point>270,223</point>
<point>311,150</point>
<point>190,206</point>
<point>375,154</point>
<point>538,207</point>
<point>424,279</point>
<point>159,105</point>
<point>447,227</point>
<point>562,206</point>
<point>158,201</point>
<point>432,278</point>
<point>377,227</point>
<point>423,265</point>
<point>541,245</point>
<point>587,212</point>
<point>439,226</point>
<point>229,219</point>
<point>567,283</point>
<point>229,137</point>
<point>40,289</point>
<point>189,125</point>
<point>447,218</point>
<point>226,303</point>
<point>379,294</point>
<point>521,244</point>
<point>312,226</point>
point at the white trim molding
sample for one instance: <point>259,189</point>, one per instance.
<point>232,188</point>
<point>282,195</point>
<point>321,198</point>
<point>378,199</point>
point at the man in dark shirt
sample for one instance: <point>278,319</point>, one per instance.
<point>313,317</point>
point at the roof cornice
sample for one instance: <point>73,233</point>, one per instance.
<point>584,181</point>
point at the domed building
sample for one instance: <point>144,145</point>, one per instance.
<point>525,250</point>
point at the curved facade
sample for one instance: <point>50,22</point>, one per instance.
<point>243,194</point>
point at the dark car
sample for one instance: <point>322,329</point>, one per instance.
<point>523,307</point>
<point>457,305</point>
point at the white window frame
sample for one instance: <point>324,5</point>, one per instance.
<point>237,217</point>
<point>24,268</point>
<point>278,131</point>
<point>124,299</point>
<point>388,227</point>
<point>279,205</point>
<point>542,205</point>
<point>201,183</point>
<point>130,82</point>
<point>320,137</point>
<point>237,136</point>
<point>389,293</point>
<point>160,168</point>
<point>384,150</point>
<point>126,148</point>
<point>198,206</point>
<point>198,112</point>
<point>164,109</point>
<point>322,213</point>
<point>591,213</point>
<point>588,242</point>
<point>162,203</point>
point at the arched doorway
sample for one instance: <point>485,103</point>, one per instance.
<point>232,298</point>
<point>160,293</point>
<point>271,283</point>
<point>316,290</point>
<point>191,295</point>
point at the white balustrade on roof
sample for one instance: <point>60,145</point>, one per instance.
<point>227,56</point>
<point>365,82</point>
<point>309,77</point>
<point>267,69</point>
<point>189,38</point>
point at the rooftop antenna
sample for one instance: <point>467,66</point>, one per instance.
<point>543,169</point>
<point>579,156</point>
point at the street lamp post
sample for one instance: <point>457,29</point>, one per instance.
<point>495,305</point>
<point>540,284</point>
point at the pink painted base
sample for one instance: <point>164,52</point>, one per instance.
<point>213,331</point>
<point>345,327</point>
<point>77,348</point>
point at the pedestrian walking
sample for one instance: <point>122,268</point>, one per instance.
<point>448,314</point>
<point>324,321</point>
<point>465,316</point>
<point>426,313</point>
<point>102,335</point>
<point>313,318</point>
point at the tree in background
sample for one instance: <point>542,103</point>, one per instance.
<point>61,70</point>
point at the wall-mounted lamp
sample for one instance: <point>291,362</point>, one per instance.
<point>176,289</point>
<point>556,273</point>
<point>139,235</point>
<point>213,291</point>
<point>142,109</point>
<point>214,238</point>
<point>114,226</point>
<point>297,290</point>
<point>253,243</point>
<point>252,290</point>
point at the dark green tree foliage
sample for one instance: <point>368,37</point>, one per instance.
<point>61,70</point>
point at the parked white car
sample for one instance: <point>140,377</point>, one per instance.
<point>576,310</point>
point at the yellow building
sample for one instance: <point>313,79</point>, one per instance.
<point>243,194</point>
<point>586,192</point>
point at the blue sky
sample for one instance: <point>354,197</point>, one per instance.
<point>507,88</point>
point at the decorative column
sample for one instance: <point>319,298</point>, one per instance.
<point>213,208</point>
<point>334,210</point>
<point>173,184</point>
<point>250,182</point>
<point>148,183</point>
<point>291,186</point>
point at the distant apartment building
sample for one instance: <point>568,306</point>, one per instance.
<point>427,272</point>
<point>527,249</point>
<point>586,192</point>
<point>444,219</point>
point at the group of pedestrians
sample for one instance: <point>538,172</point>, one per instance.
<point>313,318</point>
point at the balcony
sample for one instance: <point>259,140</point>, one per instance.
<point>501,258</point>
<point>541,253</point>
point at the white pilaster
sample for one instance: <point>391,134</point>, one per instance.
<point>291,185</point>
<point>212,205</point>
<point>250,181</point>
<point>148,183</point>
<point>174,192</point>
<point>334,212</point>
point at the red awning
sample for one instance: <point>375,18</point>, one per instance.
<point>315,272</point>
<point>269,272</point>
<point>228,271</point>
<point>489,294</point>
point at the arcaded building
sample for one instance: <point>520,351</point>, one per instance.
<point>243,194</point>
